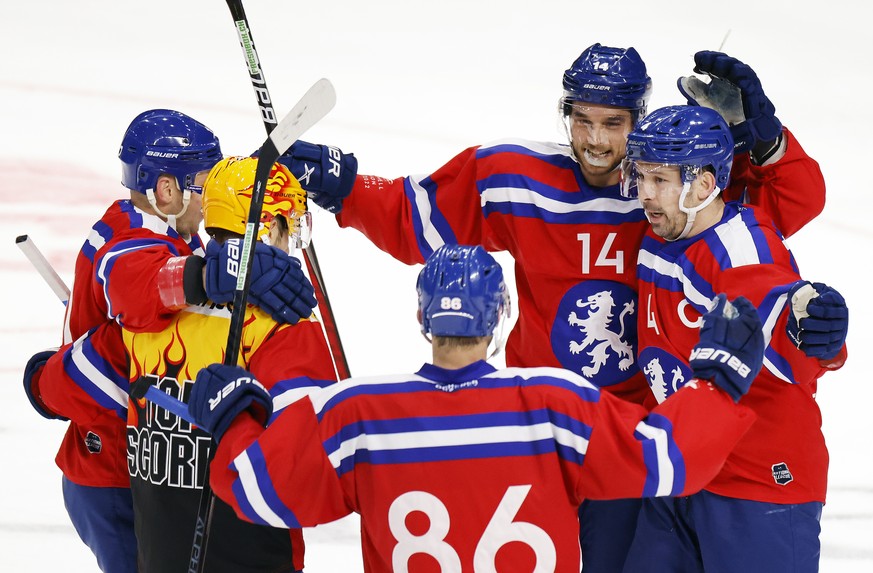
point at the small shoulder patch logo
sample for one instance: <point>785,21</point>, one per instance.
<point>93,443</point>
<point>781,473</point>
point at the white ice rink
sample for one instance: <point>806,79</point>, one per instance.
<point>417,81</point>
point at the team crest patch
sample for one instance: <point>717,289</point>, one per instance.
<point>781,473</point>
<point>665,373</point>
<point>93,443</point>
<point>595,332</point>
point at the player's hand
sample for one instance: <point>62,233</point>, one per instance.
<point>819,319</point>
<point>736,93</point>
<point>32,374</point>
<point>731,348</point>
<point>326,173</point>
<point>277,283</point>
<point>221,393</point>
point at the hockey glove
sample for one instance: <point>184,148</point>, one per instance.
<point>819,319</point>
<point>221,393</point>
<point>736,93</point>
<point>32,374</point>
<point>731,347</point>
<point>277,283</point>
<point>326,173</point>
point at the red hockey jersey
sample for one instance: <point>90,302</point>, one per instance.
<point>575,246</point>
<point>92,452</point>
<point>471,469</point>
<point>783,458</point>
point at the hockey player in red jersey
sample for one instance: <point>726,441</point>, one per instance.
<point>131,271</point>
<point>557,209</point>
<point>460,466</point>
<point>166,456</point>
<point>762,511</point>
<point>92,456</point>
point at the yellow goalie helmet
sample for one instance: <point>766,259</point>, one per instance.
<point>227,197</point>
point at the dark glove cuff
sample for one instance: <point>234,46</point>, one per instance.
<point>192,280</point>
<point>764,150</point>
<point>32,374</point>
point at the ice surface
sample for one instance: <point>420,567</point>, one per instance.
<point>417,81</point>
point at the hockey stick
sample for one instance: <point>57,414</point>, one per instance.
<point>314,105</point>
<point>268,115</point>
<point>43,267</point>
<point>142,388</point>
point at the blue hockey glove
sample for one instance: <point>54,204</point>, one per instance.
<point>731,347</point>
<point>819,319</point>
<point>326,173</point>
<point>277,283</point>
<point>221,393</point>
<point>32,374</point>
<point>736,93</point>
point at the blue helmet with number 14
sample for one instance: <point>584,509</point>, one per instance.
<point>461,292</point>
<point>608,76</point>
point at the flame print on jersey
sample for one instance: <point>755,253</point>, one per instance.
<point>196,338</point>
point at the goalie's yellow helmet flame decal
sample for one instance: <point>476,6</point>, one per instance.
<point>227,196</point>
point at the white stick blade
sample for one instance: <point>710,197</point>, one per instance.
<point>43,267</point>
<point>313,106</point>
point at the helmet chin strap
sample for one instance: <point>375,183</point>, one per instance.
<point>692,211</point>
<point>171,219</point>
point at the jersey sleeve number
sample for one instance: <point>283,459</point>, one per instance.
<point>501,529</point>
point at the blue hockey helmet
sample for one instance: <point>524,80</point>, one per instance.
<point>688,136</point>
<point>163,141</point>
<point>461,292</point>
<point>608,76</point>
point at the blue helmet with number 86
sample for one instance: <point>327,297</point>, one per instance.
<point>461,292</point>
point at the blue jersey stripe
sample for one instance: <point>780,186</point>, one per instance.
<point>255,492</point>
<point>559,156</point>
<point>440,438</point>
<point>94,375</point>
<point>120,249</point>
<point>664,463</point>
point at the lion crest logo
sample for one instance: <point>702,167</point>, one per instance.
<point>596,333</point>
<point>599,328</point>
<point>656,365</point>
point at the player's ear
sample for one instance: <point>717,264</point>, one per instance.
<point>164,188</point>
<point>705,184</point>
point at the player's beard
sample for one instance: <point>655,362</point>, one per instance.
<point>668,227</point>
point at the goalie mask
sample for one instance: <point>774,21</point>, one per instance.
<point>461,292</point>
<point>227,197</point>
